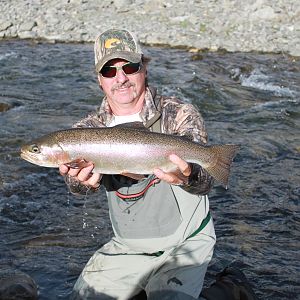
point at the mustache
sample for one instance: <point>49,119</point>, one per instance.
<point>122,85</point>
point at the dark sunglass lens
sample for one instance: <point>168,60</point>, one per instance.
<point>108,71</point>
<point>131,68</point>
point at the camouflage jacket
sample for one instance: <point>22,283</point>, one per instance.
<point>176,118</point>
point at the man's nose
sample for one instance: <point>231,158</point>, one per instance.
<point>121,76</point>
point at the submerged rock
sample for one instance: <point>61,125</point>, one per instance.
<point>4,107</point>
<point>16,285</point>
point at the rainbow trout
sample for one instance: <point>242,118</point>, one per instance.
<point>123,149</point>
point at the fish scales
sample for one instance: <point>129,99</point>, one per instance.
<point>148,150</point>
<point>147,146</point>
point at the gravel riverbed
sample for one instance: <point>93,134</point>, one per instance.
<point>252,25</point>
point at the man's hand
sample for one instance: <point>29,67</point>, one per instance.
<point>178,177</point>
<point>84,175</point>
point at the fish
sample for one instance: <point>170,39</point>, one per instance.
<point>126,149</point>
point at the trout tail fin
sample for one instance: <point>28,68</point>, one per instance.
<point>224,155</point>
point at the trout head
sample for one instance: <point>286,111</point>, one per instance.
<point>44,152</point>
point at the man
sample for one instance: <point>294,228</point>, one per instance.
<point>164,234</point>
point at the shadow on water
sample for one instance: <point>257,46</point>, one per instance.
<point>250,99</point>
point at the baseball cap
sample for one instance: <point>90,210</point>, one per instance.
<point>116,43</point>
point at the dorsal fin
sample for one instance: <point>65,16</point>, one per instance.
<point>134,125</point>
<point>187,136</point>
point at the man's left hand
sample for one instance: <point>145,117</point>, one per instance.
<point>178,177</point>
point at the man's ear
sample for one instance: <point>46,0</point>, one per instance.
<point>99,81</point>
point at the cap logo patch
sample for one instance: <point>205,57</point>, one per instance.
<point>111,43</point>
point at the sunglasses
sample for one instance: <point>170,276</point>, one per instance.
<point>129,68</point>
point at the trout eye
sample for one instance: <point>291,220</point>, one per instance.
<point>35,149</point>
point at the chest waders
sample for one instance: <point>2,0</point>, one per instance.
<point>148,209</point>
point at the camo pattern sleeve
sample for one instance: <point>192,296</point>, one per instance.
<point>185,120</point>
<point>99,118</point>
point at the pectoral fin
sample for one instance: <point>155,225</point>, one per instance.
<point>78,163</point>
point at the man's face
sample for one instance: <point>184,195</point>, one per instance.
<point>123,90</point>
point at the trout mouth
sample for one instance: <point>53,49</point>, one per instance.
<point>33,158</point>
<point>27,156</point>
<point>50,160</point>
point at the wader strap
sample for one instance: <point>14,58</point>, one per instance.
<point>202,225</point>
<point>154,122</point>
<point>137,196</point>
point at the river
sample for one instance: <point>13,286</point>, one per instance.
<point>247,98</point>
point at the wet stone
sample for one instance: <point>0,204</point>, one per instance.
<point>5,107</point>
<point>15,285</point>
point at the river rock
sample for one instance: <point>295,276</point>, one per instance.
<point>27,26</point>
<point>5,107</point>
<point>16,285</point>
<point>255,25</point>
<point>5,25</point>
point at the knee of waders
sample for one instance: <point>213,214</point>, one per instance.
<point>140,296</point>
<point>231,284</point>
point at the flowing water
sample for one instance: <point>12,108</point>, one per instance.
<point>250,99</point>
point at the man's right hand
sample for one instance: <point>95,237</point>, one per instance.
<point>84,175</point>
